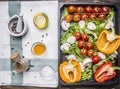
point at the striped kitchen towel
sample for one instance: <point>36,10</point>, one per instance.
<point>9,44</point>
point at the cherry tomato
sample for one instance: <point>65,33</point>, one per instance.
<point>101,17</point>
<point>90,52</point>
<point>89,45</point>
<point>96,9</point>
<point>105,9</point>
<point>88,9</point>
<point>92,16</point>
<point>84,51</point>
<point>76,18</point>
<point>85,37</point>
<point>83,16</point>
<point>81,44</point>
<point>80,9</point>
<point>68,18</point>
<point>77,35</point>
<point>95,59</point>
<point>71,9</point>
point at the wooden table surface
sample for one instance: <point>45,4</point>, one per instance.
<point>27,87</point>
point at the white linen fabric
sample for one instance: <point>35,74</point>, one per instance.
<point>48,36</point>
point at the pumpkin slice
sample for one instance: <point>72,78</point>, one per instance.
<point>70,71</point>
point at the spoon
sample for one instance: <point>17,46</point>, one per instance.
<point>19,23</point>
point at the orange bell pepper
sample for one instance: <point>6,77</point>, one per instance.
<point>70,71</point>
<point>108,45</point>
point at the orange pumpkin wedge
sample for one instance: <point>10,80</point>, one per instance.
<point>70,71</point>
<point>106,46</point>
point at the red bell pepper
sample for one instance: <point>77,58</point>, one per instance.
<point>105,72</point>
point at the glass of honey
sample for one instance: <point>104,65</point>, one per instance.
<point>38,49</point>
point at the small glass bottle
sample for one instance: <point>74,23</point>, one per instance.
<point>15,57</point>
<point>21,66</point>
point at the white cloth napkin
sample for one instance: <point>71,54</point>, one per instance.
<point>29,9</point>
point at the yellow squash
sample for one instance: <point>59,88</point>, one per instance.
<point>70,71</point>
<point>106,46</point>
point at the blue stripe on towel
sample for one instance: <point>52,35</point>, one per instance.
<point>16,43</point>
<point>36,64</point>
<point>5,64</point>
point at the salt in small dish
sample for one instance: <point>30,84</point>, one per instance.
<point>47,72</point>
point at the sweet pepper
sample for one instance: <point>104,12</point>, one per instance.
<point>70,71</point>
<point>105,72</point>
<point>108,42</point>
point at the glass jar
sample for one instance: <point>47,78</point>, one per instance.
<point>21,66</point>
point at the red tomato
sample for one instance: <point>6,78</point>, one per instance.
<point>76,18</point>
<point>95,59</point>
<point>80,9</point>
<point>92,16</point>
<point>88,9</point>
<point>71,9</point>
<point>101,17</point>
<point>96,9</point>
<point>89,45</point>
<point>105,9</point>
<point>84,51</point>
<point>83,16</point>
<point>81,44</point>
<point>90,52</point>
<point>77,35</point>
<point>68,18</point>
<point>85,37</point>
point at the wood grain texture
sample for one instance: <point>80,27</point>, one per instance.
<point>15,87</point>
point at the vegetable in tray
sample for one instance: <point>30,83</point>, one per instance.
<point>89,43</point>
